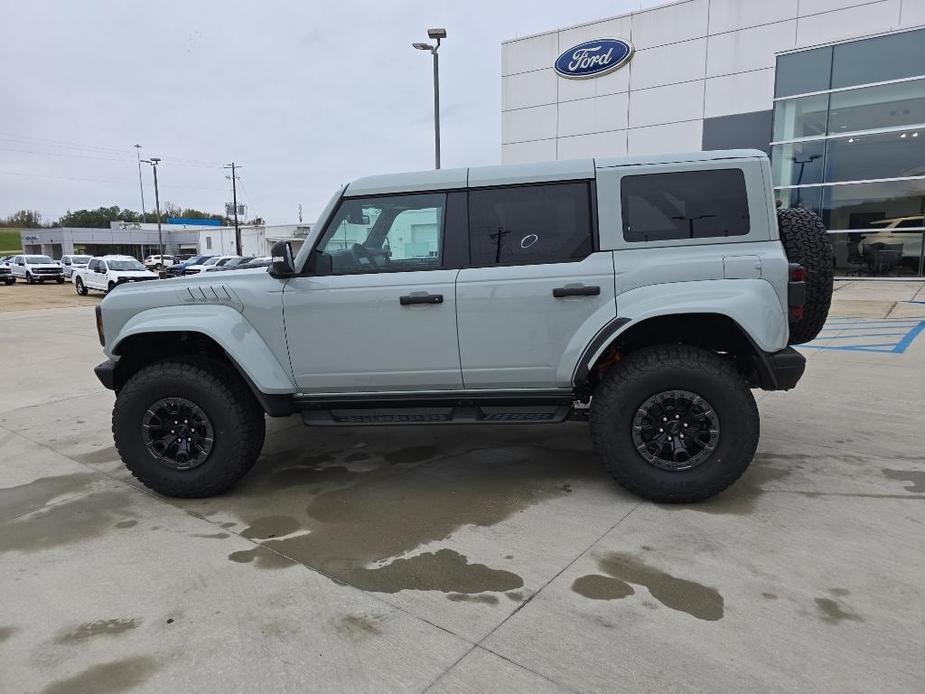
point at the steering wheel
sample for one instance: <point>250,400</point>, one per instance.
<point>359,251</point>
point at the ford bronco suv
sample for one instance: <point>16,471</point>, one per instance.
<point>647,295</point>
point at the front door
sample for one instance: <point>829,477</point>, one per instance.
<point>537,291</point>
<point>376,309</point>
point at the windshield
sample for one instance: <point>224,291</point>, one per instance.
<point>81,259</point>
<point>212,260</point>
<point>124,265</point>
<point>38,259</point>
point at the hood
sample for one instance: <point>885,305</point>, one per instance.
<point>44,266</point>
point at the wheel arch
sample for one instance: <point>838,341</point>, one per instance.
<point>717,332</point>
<point>220,333</point>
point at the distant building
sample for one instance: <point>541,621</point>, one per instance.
<point>256,240</point>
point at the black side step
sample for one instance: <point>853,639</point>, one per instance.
<point>500,408</point>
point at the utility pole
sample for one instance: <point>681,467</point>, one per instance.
<point>154,161</point>
<point>140,185</point>
<point>433,48</point>
<point>234,199</point>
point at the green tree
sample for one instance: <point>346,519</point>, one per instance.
<point>24,219</point>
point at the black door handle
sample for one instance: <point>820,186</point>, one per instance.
<point>560,292</point>
<point>409,299</point>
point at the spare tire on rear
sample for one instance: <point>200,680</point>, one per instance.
<point>806,242</point>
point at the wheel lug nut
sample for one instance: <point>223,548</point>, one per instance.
<point>660,431</point>
<point>172,431</point>
<point>677,416</point>
<point>664,419</point>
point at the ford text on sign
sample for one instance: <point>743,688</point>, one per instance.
<point>593,58</point>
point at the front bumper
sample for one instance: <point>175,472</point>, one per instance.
<point>106,372</point>
<point>779,370</point>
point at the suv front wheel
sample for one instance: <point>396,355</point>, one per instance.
<point>674,423</point>
<point>187,427</point>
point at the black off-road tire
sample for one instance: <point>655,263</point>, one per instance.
<point>79,286</point>
<point>238,423</point>
<point>10,281</point>
<point>652,370</point>
<point>59,280</point>
<point>806,242</point>
<point>29,278</point>
<point>110,287</point>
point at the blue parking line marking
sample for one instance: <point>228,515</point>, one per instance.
<point>879,329</point>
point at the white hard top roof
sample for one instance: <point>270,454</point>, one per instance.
<point>510,174</point>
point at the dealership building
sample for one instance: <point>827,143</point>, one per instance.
<point>832,90</point>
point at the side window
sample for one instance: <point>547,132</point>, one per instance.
<point>529,225</point>
<point>684,205</point>
<point>93,264</point>
<point>389,233</point>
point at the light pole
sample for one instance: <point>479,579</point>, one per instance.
<point>154,161</point>
<point>435,34</point>
<point>140,185</point>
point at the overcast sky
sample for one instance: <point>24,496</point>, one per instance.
<point>306,95</point>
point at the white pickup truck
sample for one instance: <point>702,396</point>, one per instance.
<point>108,272</point>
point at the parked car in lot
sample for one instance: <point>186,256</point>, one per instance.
<point>264,261</point>
<point>6,274</point>
<point>158,262</point>
<point>69,263</point>
<point>179,269</point>
<point>196,268</point>
<point>229,263</point>
<point>646,295</point>
<point>36,268</point>
<point>110,271</point>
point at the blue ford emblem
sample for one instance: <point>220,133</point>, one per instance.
<point>593,58</point>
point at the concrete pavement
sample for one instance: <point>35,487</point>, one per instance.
<point>470,559</point>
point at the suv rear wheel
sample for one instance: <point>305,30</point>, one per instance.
<point>187,427</point>
<point>674,424</point>
<point>79,286</point>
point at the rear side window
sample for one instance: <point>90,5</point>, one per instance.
<point>527,225</point>
<point>684,205</point>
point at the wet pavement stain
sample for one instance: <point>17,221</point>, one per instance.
<point>831,612</point>
<point>309,475</point>
<point>465,597</point>
<point>413,454</point>
<point>359,626</point>
<point>515,595</point>
<point>769,596</point>
<point>212,536</point>
<point>127,524</point>
<point>386,512</point>
<point>270,526</point>
<point>356,457</point>
<point>261,558</point>
<point>597,587</point>
<point>72,521</point>
<point>702,602</point>
<point>101,627</point>
<point>742,497</point>
<point>15,501</point>
<point>103,455</point>
<point>915,478</point>
<point>107,678</point>
<point>7,632</point>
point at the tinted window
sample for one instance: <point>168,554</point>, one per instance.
<point>798,163</point>
<point>806,71</point>
<point>93,264</point>
<point>684,205</point>
<point>526,225</point>
<point>389,233</point>
<point>886,106</point>
<point>879,59</point>
<point>881,155</point>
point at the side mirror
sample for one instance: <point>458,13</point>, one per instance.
<point>283,264</point>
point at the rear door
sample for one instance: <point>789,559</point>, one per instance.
<point>537,289</point>
<point>376,309</point>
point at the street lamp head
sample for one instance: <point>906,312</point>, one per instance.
<point>423,46</point>
<point>437,33</point>
<point>155,160</point>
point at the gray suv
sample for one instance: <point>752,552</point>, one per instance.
<point>646,295</point>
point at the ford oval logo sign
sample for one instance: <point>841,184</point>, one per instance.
<point>593,58</point>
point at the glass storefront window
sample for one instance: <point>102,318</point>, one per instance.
<point>874,205</point>
<point>802,117</point>
<point>809,198</point>
<point>882,155</point>
<point>886,106</point>
<point>865,254</point>
<point>878,59</point>
<point>799,162</point>
<point>803,72</point>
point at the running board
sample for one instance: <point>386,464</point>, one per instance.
<point>499,408</point>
